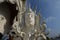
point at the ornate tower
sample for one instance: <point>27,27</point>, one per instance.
<point>21,4</point>
<point>30,15</point>
<point>20,17</point>
<point>28,21</point>
<point>37,22</point>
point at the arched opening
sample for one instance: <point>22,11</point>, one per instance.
<point>9,11</point>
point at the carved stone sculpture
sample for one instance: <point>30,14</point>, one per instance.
<point>26,25</point>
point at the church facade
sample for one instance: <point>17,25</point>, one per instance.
<point>25,23</point>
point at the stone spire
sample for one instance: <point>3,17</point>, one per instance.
<point>37,20</point>
<point>23,5</point>
<point>44,25</point>
<point>29,8</point>
<point>30,15</point>
<point>35,8</point>
<point>21,9</point>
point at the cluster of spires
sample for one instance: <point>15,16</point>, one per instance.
<point>37,21</point>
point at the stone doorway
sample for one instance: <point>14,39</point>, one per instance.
<point>7,14</point>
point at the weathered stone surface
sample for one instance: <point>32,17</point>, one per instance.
<point>26,24</point>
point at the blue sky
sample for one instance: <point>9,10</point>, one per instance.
<point>50,11</point>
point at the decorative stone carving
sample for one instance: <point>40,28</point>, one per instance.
<point>27,26</point>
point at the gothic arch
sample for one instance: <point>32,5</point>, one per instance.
<point>9,11</point>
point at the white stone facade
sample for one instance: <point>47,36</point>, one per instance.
<point>26,23</point>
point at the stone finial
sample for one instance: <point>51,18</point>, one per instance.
<point>35,8</point>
